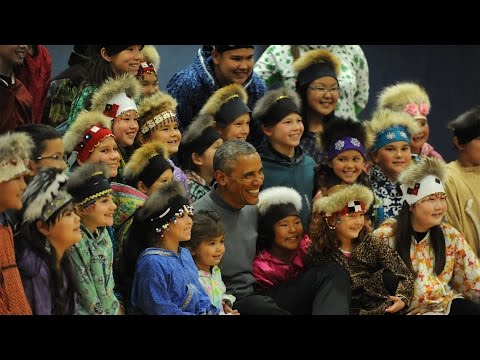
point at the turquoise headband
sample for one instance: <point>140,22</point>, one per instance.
<point>391,134</point>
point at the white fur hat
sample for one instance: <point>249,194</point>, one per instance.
<point>15,151</point>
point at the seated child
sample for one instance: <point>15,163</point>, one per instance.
<point>381,282</point>
<point>207,248</point>
<point>49,227</point>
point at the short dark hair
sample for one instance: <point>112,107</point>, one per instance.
<point>40,134</point>
<point>227,154</point>
<point>206,226</point>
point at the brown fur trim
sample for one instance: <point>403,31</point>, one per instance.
<point>337,200</point>
<point>141,157</point>
<point>150,54</point>
<point>84,121</point>
<point>395,97</point>
<point>417,171</point>
<point>158,201</point>
<point>317,56</point>
<point>154,105</point>
<point>219,97</point>
<point>264,104</point>
<point>196,128</point>
<point>112,86</point>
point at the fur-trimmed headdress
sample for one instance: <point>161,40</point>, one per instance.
<point>274,204</point>
<point>157,109</point>
<point>89,182</point>
<point>315,64</point>
<point>45,195</point>
<point>345,134</point>
<point>15,150</point>
<point>466,127</point>
<point>347,200</point>
<point>151,61</point>
<point>226,104</point>
<point>116,96</point>
<point>275,105</point>
<point>198,137</point>
<point>422,179</point>
<point>85,134</point>
<point>164,205</point>
<point>146,164</point>
<point>389,126</point>
<point>407,97</point>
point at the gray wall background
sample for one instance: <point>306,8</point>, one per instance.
<point>448,72</point>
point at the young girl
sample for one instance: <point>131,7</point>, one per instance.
<point>381,283</point>
<point>161,276</point>
<point>207,248</point>
<point>279,268</point>
<point>14,155</point>
<point>147,71</point>
<point>412,99</point>
<point>317,84</point>
<point>49,227</point>
<point>195,154</point>
<point>90,139</point>
<point>228,106</point>
<point>108,61</point>
<point>115,98</point>
<point>447,271</point>
<point>93,255</point>
<point>158,122</point>
<point>391,155</point>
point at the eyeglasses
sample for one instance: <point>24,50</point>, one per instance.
<point>322,90</point>
<point>55,157</point>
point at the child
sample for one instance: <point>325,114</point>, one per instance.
<point>344,142</point>
<point>281,242</point>
<point>391,155</point>
<point>284,162</point>
<point>49,227</point>
<point>90,139</point>
<point>161,276</point>
<point>317,84</point>
<point>447,271</point>
<point>413,100</point>
<point>279,268</point>
<point>198,146</point>
<point>93,255</point>
<point>207,248</point>
<point>381,283</point>
<point>158,122</point>
<point>228,106</point>
<point>48,150</point>
<point>147,71</point>
<point>14,154</point>
<point>108,61</point>
<point>115,98</point>
<point>463,182</point>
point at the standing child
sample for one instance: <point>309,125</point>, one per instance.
<point>228,106</point>
<point>49,227</point>
<point>161,276</point>
<point>207,248</point>
<point>283,159</point>
<point>196,151</point>
<point>93,255</point>
<point>14,154</point>
<point>391,155</point>
<point>381,283</point>
<point>147,71</point>
<point>158,122</point>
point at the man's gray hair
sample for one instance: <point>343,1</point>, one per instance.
<point>227,154</point>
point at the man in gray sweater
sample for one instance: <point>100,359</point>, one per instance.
<point>239,176</point>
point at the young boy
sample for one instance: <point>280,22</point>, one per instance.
<point>284,163</point>
<point>14,153</point>
<point>463,181</point>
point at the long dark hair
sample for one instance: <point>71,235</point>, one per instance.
<point>403,238</point>
<point>29,237</point>
<point>302,91</point>
<point>101,69</point>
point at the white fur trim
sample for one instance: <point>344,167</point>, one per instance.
<point>278,195</point>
